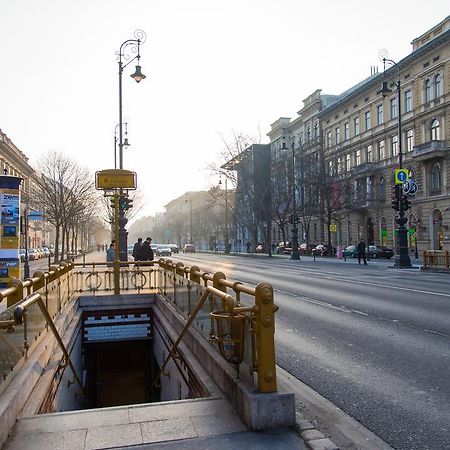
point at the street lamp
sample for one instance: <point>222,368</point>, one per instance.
<point>295,255</point>
<point>190,215</point>
<point>402,260</point>
<point>125,142</point>
<point>127,47</point>
<point>227,244</point>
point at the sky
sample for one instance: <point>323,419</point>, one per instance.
<point>213,68</point>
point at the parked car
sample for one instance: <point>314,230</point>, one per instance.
<point>130,249</point>
<point>189,248</point>
<point>174,248</point>
<point>154,247</point>
<point>46,251</point>
<point>306,249</point>
<point>22,254</point>
<point>352,251</point>
<point>284,248</point>
<point>376,251</point>
<point>32,254</point>
<point>320,250</point>
<point>163,250</point>
<point>259,248</point>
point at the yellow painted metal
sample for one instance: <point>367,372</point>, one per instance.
<point>115,179</point>
<point>116,250</point>
<point>265,342</point>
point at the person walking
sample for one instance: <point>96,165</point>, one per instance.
<point>137,250</point>
<point>146,250</point>
<point>111,254</point>
<point>361,249</point>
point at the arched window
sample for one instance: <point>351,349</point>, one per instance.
<point>435,130</point>
<point>437,85</point>
<point>427,90</point>
<point>316,130</point>
<point>436,177</point>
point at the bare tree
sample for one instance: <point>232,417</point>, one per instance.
<point>65,193</point>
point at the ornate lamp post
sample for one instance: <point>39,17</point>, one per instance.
<point>128,47</point>
<point>402,259</point>
<point>125,142</point>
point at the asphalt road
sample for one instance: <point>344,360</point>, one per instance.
<point>373,340</point>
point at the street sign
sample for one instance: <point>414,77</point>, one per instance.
<point>115,179</point>
<point>415,234</point>
<point>413,187</point>
<point>333,228</point>
<point>400,175</point>
<point>406,186</point>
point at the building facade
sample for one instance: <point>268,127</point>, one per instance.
<point>344,149</point>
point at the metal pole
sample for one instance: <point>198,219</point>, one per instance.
<point>120,111</point>
<point>116,250</point>
<point>227,248</point>
<point>294,254</point>
<point>26,267</point>
<point>402,259</point>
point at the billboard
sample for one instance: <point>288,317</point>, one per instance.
<point>9,229</point>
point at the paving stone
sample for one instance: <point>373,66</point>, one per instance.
<point>167,430</point>
<point>217,424</point>
<point>47,441</point>
<point>113,436</point>
<point>73,420</point>
<point>310,435</point>
<point>322,444</point>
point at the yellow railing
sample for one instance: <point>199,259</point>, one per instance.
<point>238,319</point>
<point>436,258</point>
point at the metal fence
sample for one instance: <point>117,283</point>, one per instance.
<point>436,258</point>
<point>236,318</point>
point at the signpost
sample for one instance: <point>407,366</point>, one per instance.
<point>400,175</point>
<point>115,179</point>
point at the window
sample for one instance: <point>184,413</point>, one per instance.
<point>381,150</point>
<point>369,153</point>
<point>339,165</point>
<point>356,125</point>
<point>337,133</point>
<point>316,130</point>
<point>379,114</point>
<point>437,85</point>
<point>436,177</point>
<point>330,167</point>
<point>408,101</point>
<point>409,140</point>
<point>348,163</point>
<point>427,90</point>
<point>382,189</point>
<point>367,120</point>
<point>394,145</point>
<point>308,135</point>
<point>358,157</point>
<point>435,130</point>
<point>346,131</point>
<point>393,105</point>
<point>328,139</point>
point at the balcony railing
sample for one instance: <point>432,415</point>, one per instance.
<point>431,149</point>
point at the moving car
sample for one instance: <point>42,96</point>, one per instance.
<point>189,248</point>
<point>32,254</point>
<point>352,251</point>
<point>174,248</point>
<point>130,249</point>
<point>376,251</point>
<point>320,250</point>
<point>22,254</point>
<point>163,250</point>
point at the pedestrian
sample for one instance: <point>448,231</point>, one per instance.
<point>361,249</point>
<point>146,250</point>
<point>248,245</point>
<point>111,254</point>
<point>137,250</point>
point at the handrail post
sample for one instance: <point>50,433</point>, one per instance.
<point>18,294</point>
<point>265,341</point>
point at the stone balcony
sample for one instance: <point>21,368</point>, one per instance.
<point>431,149</point>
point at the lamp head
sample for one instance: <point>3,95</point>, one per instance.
<point>385,90</point>
<point>138,76</point>
<point>126,143</point>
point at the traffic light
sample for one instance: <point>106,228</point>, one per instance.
<point>125,203</point>
<point>405,203</point>
<point>113,202</point>
<point>396,197</point>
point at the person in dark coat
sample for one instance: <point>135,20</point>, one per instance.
<point>361,249</point>
<point>146,250</point>
<point>137,250</point>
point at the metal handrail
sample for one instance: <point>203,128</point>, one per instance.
<point>20,315</point>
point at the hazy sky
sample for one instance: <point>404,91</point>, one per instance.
<point>212,67</point>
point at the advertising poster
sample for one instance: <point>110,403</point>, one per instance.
<point>9,229</point>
